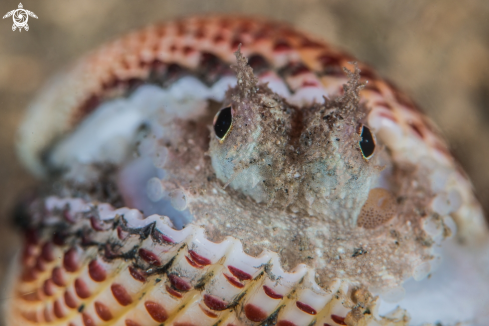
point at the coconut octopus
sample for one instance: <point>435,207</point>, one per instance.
<point>222,170</point>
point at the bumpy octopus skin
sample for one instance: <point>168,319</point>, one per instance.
<point>230,171</point>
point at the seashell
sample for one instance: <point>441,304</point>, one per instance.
<point>133,270</point>
<point>234,171</point>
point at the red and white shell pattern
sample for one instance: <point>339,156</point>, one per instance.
<point>180,279</point>
<point>177,277</point>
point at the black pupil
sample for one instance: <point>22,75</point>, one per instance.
<point>223,122</point>
<point>367,144</point>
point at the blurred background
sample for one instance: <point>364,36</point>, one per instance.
<point>437,51</point>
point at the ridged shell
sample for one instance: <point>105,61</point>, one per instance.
<point>95,265</point>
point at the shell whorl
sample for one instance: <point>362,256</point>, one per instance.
<point>130,270</point>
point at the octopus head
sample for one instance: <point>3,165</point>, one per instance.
<point>318,158</point>
<point>251,135</point>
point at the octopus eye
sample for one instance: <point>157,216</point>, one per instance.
<point>223,123</point>
<point>367,143</point>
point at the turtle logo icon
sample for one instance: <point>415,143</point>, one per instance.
<point>20,16</point>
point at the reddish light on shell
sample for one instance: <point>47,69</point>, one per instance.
<point>48,287</point>
<point>233,281</point>
<point>164,238</point>
<point>218,38</point>
<point>306,308</point>
<point>57,277</point>
<point>338,319</point>
<point>96,271</point>
<point>214,302</point>
<point>87,320</point>
<point>156,311</point>
<point>29,275</point>
<point>40,264</point>
<point>70,260</point>
<point>179,283</point>
<point>271,293</point>
<point>188,50</point>
<point>102,311</point>
<point>68,216</point>
<point>207,312</point>
<point>254,313</point>
<point>136,274</point>
<point>69,300</point>
<point>309,83</point>
<point>281,46</point>
<point>58,311</point>
<point>121,234</point>
<point>199,259</point>
<point>28,253</point>
<point>173,292</point>
<point>30,296</point>
<point>81,289</point>
<point>149,257</point>
<point>96,224</point>
<point>183,324</point>
<point>192,263</point>
<point>47,252</point>
<point>120,294</point>
<point>47,315</point>
<point>285,323</point>
<point>130,322</point>
<point>30,316</point>
<point>243,276</point>
<point>417,129</point>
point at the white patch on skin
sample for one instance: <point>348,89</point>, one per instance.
<point>108,133</point>
<point>275,83</point>
<point>154,189</point>
<point>385,129</point>
<point>220,87</point>
<point>188,87</point>
<point>140,184</point>
<point>103,137</point>
<point>447,203</point>
<point>308,95</point>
